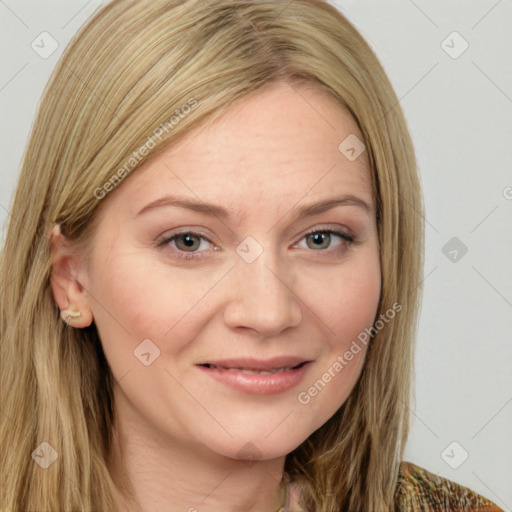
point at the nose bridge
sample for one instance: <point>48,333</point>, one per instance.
<point>261,299</point>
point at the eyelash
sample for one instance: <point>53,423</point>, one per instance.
<point>182,254</point>
<point>199,254</point>
<point>346,238</point>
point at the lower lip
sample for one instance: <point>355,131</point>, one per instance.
<point>258,383</point>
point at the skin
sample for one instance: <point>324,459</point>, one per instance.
<point>181,435</point>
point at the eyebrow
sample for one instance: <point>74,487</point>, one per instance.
<point>222,213</point>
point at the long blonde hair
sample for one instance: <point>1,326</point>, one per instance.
<point>126,73</point>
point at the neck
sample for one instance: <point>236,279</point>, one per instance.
<point>154,474</point>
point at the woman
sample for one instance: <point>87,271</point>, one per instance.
<point>210,291</point>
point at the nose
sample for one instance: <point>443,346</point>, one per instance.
<point>261,299</point>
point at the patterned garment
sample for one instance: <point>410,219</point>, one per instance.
<point>418,490</point>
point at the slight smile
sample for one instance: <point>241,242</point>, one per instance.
<point>258,376</point>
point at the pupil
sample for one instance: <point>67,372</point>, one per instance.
<point>320,240</point>
<point>188,241</point>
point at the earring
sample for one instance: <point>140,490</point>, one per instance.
<point>68,315</point>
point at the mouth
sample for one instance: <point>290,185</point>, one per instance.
<point>258,376</point>
<point>254,370</point>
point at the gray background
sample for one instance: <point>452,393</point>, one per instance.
<point>458,105</point>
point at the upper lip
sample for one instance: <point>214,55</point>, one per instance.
<point>249,363</point>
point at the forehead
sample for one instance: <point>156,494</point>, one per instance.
<point>278,145</point>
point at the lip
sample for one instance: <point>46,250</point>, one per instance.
<point>234,373</point>
<point>251,363</point>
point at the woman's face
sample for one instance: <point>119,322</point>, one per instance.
<point>249,246</point>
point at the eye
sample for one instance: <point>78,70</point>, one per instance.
<point>325,239</point>
<point>187,242</point>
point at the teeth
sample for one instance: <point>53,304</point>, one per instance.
<point>261,372</point>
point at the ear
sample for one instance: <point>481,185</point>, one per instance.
<point>67,291</point>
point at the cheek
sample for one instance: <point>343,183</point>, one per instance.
<point>358,302</point>
<point>344,299</point>
<point>134,299</point>
<point>348,309</point>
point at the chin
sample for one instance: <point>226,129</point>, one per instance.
<point>253,449</point>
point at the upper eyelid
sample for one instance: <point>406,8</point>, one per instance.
<point>336,230</point>
<point>194,231</point>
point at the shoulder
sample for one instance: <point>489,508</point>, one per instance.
<point>419,489</point>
